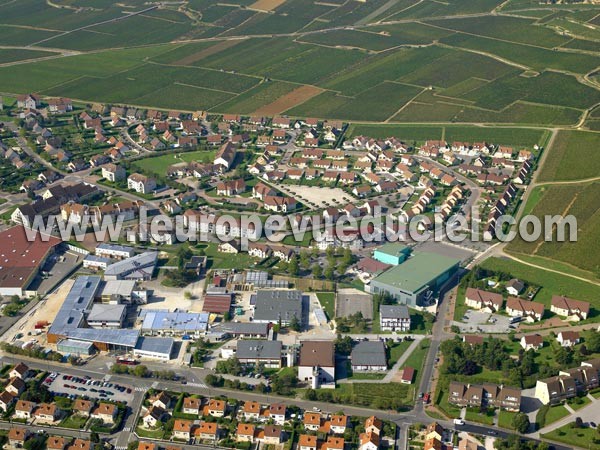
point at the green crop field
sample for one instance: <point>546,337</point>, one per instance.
<point>580,201</point>
<point>227,57</point>
<point>11,55</point>
<point>574,156</point>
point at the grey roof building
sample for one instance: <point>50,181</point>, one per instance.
<point>70,320</point>
<point>273,306</point>
<point>154,347</point>
<point>254,351</point>
<point>243,329</point>
<point>106,316</point>
<point>369,356</point>
<point>138,267</point>
<point>394,318</point>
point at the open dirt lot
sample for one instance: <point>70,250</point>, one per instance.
<point>45,310</point>
<point>317,197</point>
<point>266,5</point>
<point>191,59</point>
<point>351,301</point>
<point>289,100</point>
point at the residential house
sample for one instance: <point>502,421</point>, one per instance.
<point>19,371</point>
<point>182,429</point>
<point>6,400</point>
<point>338,423</point>
<point>317,363</point>
<point>17,437</point>
<point>15,386</point>
<point>373,425</point>
<point>532,342</point>
<point>368,441</point>
<point>312,421</point>
<point>483,300</point>
<point>245,432</point>
<point>307,442</point>
<point>82,407</point>
<point>206,431</point>
<point>251,410</point>
<point>106,412</point>
<point>270,435</point>
<point>530,311</point>
<point>191,405</point>
<point>515,287</point>
<point>277,413</point>
<point>46,413</point>
<point>216,408</point>
<point>568,338</point>
<point>154,416</point>
<point>24,409</point>
<point>573,310</point>
<point>333,443</point>
<point>56,443</point>
<point>225,157</point>
<point>141,183</point>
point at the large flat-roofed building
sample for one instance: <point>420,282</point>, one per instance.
<point>70,321</point>
<point>106,316</point>
<point>155,322</point>
<point>21,258</point>
<point>413,281</point>
<point>138,267</point>
<point>154,347</point>
<point>254,351</point>
<point>278,306</point>
<point>317,363</point>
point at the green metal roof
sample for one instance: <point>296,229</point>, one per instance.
<point>393,248</point>
<point>417,271</point>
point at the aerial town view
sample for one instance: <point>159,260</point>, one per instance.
<point>299,224</point>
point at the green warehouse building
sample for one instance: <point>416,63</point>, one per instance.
<point>413,281</point>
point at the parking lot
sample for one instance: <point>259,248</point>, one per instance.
<point>478,321</point>
<point>351,301</point>
<point>71,386</point>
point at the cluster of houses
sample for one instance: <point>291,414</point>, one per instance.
<point>484,395</point>
<point>49,413</point>
<point>18,436</point>
<point>568,383</point>
<point>570,309</point>
<point>257,423</point>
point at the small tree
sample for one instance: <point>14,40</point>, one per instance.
<point>521,422</point>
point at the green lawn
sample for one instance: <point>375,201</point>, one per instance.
<point>474,415</point>
<point>73,421</point>
<point>397,350</point>
<point>578,402</point>
<point>505,419</point>
<point>556,413</point>
<point>327,300</point>
<point>218,260</point>
<point>417,359</point>
<point>580,437</point>
<point>151,434</point>
<point>367,376</point>
<point>159,164</point>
